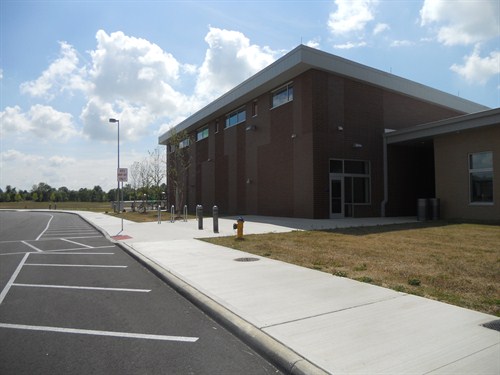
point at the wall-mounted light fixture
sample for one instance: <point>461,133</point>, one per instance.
<point>249,181</point>
<point>294,136</point>
<point>251,128</point>
<point>357,145</point>
<point>340,128</point>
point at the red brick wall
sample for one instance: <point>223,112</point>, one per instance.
<point>281,167</point>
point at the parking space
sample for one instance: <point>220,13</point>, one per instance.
<point>77,303</point>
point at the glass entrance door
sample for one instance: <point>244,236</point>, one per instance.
<point>336,197</point>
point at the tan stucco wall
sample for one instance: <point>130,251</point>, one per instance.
<point>451,154</point>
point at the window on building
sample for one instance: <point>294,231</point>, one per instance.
<point>201,134</point>
<point>282,95</point>
<point>481,177</point>
<point>356,177</point>
<point>236,117</point>
<point>184,143</point>
<point>255,108</point>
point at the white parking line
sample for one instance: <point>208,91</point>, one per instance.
<point>61,253</point>
<point>47,227</point>
<point>78,248</point>
<point>100,333</point>
<point>13,278</point>
<point>71,265</point>
<point>30,245</point>
<point>76,243</point>
<point>81,287</point>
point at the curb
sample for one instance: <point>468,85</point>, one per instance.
<point>279,354</point>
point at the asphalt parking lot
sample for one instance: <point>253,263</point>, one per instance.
<point>73,302</point>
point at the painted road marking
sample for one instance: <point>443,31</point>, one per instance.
<point>78,248</point>
<point>30,245</point>
<point>10,283</point>
<point>47,227</point>
<point>76,243</point>
<point>100,333</point>
<point>71,265</point>
<point>61,253</point>
<point>81,287</point>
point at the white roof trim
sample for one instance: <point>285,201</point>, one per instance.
<point>451,125</point>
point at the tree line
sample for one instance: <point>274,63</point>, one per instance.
<point>146,180</point>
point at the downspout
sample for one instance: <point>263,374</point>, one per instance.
<point>386,188</point>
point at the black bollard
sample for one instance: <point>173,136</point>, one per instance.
<point>199,216</point>
<point>215,211</point>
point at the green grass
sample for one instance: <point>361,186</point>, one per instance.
<point>78,206</point>
<point>451,262</point>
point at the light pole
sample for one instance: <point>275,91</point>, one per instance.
<point>113,120</point>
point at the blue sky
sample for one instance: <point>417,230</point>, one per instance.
<point>66,67</point>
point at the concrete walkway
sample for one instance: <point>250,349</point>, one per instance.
<point>309,321</point>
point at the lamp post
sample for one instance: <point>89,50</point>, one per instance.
<point>113,120</point>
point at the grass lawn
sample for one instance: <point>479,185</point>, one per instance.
<point>148,216</point>
<point>453,263</point>
<point>78,206</point>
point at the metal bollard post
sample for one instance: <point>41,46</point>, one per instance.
<point>172,214</point>
<point>215,211</point>
<point>185,213</point>
<point>159,214</point>
<point>199,216</point>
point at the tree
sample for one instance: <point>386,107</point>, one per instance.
<point>97,194</point>
<point>135,171</point>
<point>178,163</point>
<point>157,170</point>
<point>43,191</point>
<point>63,193</point>
<point>145,177</point>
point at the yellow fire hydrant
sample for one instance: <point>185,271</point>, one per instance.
<point>239,228</point>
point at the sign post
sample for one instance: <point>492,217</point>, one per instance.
<point>121,176</point>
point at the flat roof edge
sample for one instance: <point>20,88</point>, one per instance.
<point>376,77</point>
<point>454,124</point>
<point>303,58</point>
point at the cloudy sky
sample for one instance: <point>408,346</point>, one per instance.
<point>66,67</point>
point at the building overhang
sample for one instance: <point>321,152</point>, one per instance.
<point>442,127</point>
<point>302,59</point>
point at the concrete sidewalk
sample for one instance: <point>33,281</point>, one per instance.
<point>307,320</point>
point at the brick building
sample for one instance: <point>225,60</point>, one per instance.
<point>309,136</point>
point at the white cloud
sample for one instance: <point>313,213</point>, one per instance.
<point>380,28</point>
<point>350,45</point>
<point>23,170</point>
<point>351,15</point>
<point>132,80</point>
<point>130,68</point>
<point>58,161</point>
<point>229,60</point>
<point>135,81</point>
<point>40,122</point>
<point>402,43</point>
<point>14,155</point>
<point>477,69</point>
<point>314,43</point>
<point>1,73</point>
<point>12,120</point>
<point>61,75</point>
<point>462,21</point>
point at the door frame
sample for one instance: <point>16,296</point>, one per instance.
<point>341,214</point>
